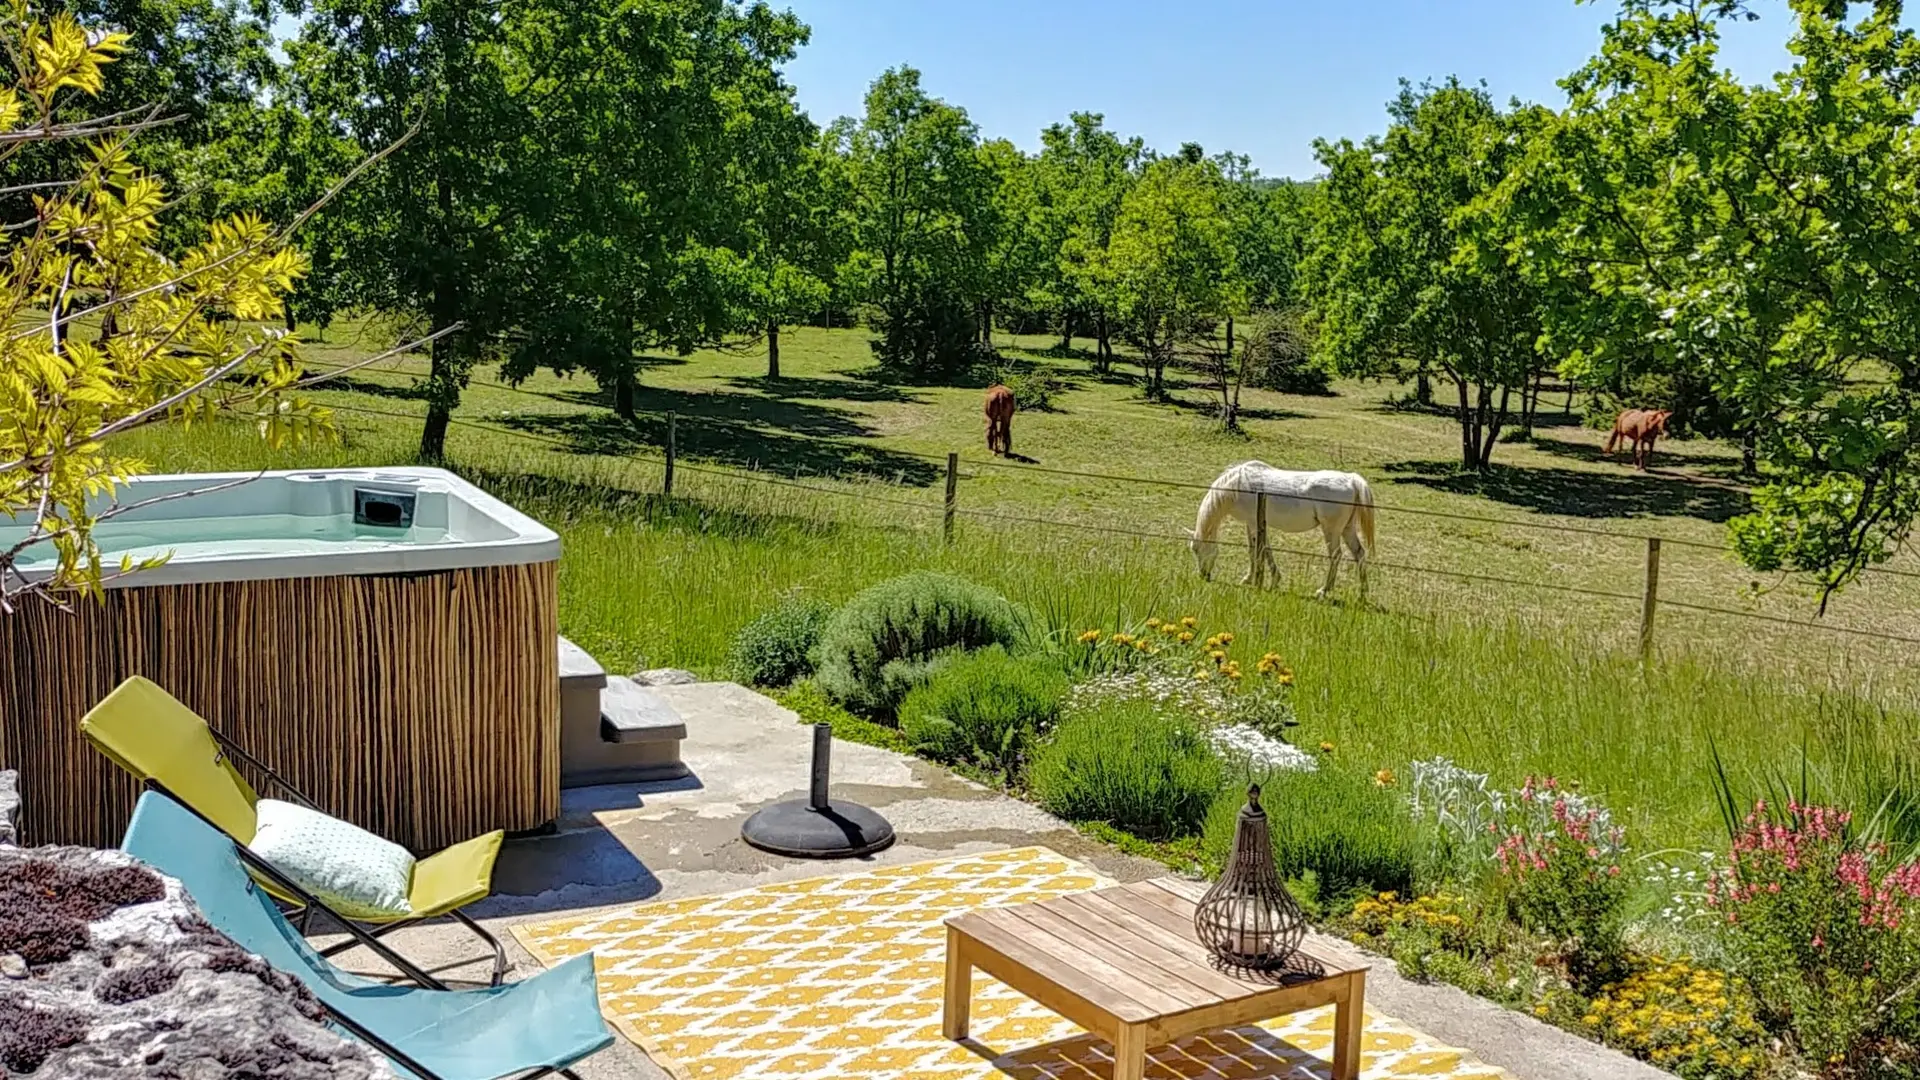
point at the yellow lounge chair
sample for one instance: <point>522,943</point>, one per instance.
<point>146,731</point>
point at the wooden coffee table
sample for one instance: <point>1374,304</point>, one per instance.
<point>1124,963</point>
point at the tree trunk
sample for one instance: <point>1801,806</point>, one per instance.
<point>1103,346</point>
<point>1493,425</point>
<point>1066,331</point>
<point>288,312</point>
<point>443,382</point>
<point>442,393</point>
<point>1423,387</point>
<point>773,348</point>
<point>1749,454</point>
<point>623,375</point>
<point>1468,443</point>
<point>623,390</point>
<point>1567,410</point>
<point>1229,337</point>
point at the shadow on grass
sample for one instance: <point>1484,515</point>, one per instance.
<point>1578,493</point>
<point>1211,408</point>
<point>728,444</point>
<point>1407,406</point>
<point>795,417</point>
<point>1720,465</point>
<point>817,389</point>
<point>561,502</point>
<point>414,391</point>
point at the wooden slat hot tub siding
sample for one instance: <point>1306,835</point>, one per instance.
<point>425,708</point>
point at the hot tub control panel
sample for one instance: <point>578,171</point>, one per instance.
<point>382,509</point>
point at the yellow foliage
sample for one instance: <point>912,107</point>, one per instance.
<point>104,332</point>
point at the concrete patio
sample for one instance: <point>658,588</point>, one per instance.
<point>629,844</point>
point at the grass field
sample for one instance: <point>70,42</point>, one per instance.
<point>1508,678</point>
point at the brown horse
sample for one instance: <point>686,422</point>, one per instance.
<point>999,420</point>
<point>1639,427</point>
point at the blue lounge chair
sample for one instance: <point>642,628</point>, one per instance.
<point>525,1029</point>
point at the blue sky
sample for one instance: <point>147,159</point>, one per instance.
<point>1260,78</point>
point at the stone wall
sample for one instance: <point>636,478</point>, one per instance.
<point>108,970</point>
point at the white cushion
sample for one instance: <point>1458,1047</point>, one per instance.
<point>348,868</point>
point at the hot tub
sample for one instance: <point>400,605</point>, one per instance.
<point>384,638</point>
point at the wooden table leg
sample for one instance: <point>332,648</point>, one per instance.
<point>1350,1028</point>
<point>1130,1053</point>
<point>959,1004</point>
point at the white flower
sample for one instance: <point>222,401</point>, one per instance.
<point>1258,750</point>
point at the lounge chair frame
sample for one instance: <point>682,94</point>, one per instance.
<point>358,936</point>
<point>370,930</point>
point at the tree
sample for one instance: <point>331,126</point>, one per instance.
<point>791,233</point>
<point>1084,171</point>
<point>426,234</point>
<point>1170,263</point>
<point>921,225</point>
<point>106,332</point>
<point>1018,252</point>
<point>203,65</point>
<point>668,207</point>
<point>1755,239</point>
<point>1406,275</point>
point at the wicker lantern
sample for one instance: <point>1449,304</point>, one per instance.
<point>1248,919</point>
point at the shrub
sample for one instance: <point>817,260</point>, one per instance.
<point>1825,929</point>
<point>774,649</point>
<point>983,708</point>
<point>893,636</point>
<point>1278,352</point>
<point>1689,1020</point>
<point>1033,389</point>
<point>1560,865</point>
<point>1128,765</point>
<point>1351,834</point>
<point>930,334</point>
<point>813,706</point>
<point>1186,671</point>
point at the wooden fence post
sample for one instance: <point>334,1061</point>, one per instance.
<point>953,492</point>
<point>667,487</point>
<point>1260,540</point>
<point>1650,601</point>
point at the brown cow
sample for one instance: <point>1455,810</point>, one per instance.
<point>999,420</point>
<point>1640,427</point>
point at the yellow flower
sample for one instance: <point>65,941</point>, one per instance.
<point>1091,635</point>
<point>1217,655</point>
<point>1226,639</point>
<point>1326,748</point>
<point>1189,622</point>
<point>1186,636</point>
<point>1121,639</point>
<point>1383,778</point>
<point>1284,677</point>
<point>1153,624</point>
<point>1202,676</point>
<point>1539,1010</point>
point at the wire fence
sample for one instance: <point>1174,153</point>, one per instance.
<point>1648,598</point>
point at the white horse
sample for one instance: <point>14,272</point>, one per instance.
<point>1339,504</point>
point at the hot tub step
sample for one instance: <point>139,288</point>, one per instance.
<point>579,671</point>
<point>631,713</point>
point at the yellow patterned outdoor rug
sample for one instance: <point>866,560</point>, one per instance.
<point>840,978</point>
